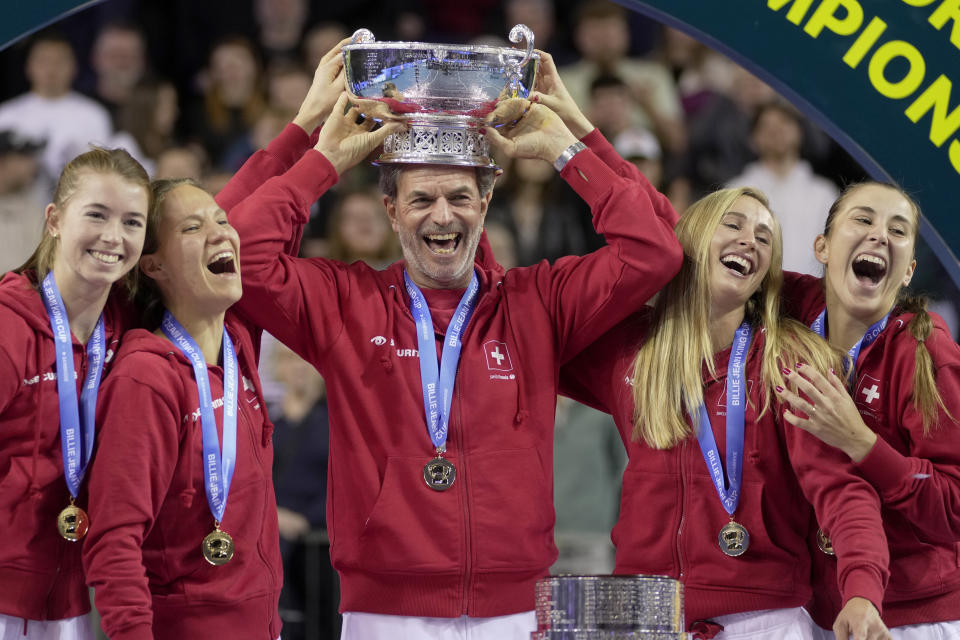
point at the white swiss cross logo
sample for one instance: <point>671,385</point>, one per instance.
<point>868,391</point>
<point>498,358</point>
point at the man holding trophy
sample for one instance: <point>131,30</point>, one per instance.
<point>441,369</point>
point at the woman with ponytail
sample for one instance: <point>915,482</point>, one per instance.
<point>61,315</point>
<point>690,383</point>
<point>892,410</point>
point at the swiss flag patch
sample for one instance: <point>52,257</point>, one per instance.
<point>498,357</point>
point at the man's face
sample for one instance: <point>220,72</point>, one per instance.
<point>438,214</point>
<point>50,68</point>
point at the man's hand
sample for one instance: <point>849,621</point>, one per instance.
<point>551,92</point>
<point>345,141</point>
<point>328,83</point>
<point>860,620</point>
<point>529,130</point>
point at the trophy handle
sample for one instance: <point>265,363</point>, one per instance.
<point>363,36</point>
<point>518,33</point>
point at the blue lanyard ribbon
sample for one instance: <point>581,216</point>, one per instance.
<point>819,327</point>
<point>437,382</point>
<point>728,491</point>
<point>218,464</point>
<point>77,428</point>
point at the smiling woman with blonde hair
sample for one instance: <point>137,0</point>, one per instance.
<point>689,382</point>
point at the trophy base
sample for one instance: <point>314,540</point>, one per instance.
<point>438,139</point>
<point>596,634</point>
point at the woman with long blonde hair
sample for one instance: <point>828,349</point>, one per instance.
<point>717,492</point>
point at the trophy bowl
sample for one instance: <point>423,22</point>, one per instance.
<point>442,91</point>
<point>624,607</point>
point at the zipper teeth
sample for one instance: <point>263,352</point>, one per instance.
<point>683,514</point>
<point>468,565</point>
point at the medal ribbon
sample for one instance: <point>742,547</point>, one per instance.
<point>218,464</point>
<point>728,491</point>
<point>437,382</point>
<point>77,428</point>
<point>819,327</point>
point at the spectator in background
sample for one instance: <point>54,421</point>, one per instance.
<point>602,36</point>
<point>610,105</point>
<point>181,162</point>
<point>232,100</point>
<point>52,112</point>
<point>642,148</point>
<point>21,207</point>
<point>718,144</point>
<point>699,72</point>
<point>119,63</point>
<point>359,230</point>
<point>301,446</point>
<point>540,16</point>
<point>281,24</point>
<point>150,116</point>
<point>287,85</point>
<point>528,190</point>
<point>319,39</point>
<point>799,197</point>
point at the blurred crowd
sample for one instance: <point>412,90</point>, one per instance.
<point>194,88</point>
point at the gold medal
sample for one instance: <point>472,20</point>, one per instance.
<point>825,543</point>
<point>439,474</point>
<point>217,547</point>
<point>73,523</point>
<point>734,539</point>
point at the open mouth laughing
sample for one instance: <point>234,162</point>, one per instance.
<point>443,243</point>
<point>222,263</point>
<point>740,265</point>
<point>869,269</point>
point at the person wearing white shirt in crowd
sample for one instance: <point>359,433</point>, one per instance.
<point>799,197</point>
<point>51,111</point>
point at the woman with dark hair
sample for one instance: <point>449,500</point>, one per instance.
<point>893,410</point>
<point>61,316</point>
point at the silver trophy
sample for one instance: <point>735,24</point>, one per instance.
<point>443,91</point>
<point>609,608</point>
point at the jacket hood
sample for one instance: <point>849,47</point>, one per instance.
<point>18,293</point>
<point>485,259</point>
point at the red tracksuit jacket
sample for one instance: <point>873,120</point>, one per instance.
<point>40,573</point>
<point>670,514</point>
<point>916,476</point>
<point>41,577</point>
<point>478,548</point>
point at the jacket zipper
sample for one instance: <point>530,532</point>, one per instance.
<point>683,510</point>
<point>468,546</point>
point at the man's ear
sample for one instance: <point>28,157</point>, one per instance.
<point>390,204</point>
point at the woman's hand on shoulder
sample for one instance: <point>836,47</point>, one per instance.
<point>821,406</point>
